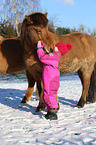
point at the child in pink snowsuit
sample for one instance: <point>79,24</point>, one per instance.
<point>51,76</point>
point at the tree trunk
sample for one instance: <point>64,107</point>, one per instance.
<point>91,96</point>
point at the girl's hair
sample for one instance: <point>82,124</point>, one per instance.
<point>46,52</point>
<point>51,50</point>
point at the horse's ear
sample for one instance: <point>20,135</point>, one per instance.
<point>46,15</point>
<point>29,19</point>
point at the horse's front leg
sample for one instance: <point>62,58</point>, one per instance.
<point>31,83</point>
<point>41,105</point>
<point>85,79</point>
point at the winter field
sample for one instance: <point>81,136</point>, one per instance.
<point>21,125</point>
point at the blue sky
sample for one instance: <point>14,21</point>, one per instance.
<point>71,13</point>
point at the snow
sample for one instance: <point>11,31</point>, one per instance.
<point>21,125</point>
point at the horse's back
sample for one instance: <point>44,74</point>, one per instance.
<point>12,54</point>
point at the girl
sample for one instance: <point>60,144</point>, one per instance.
<point>51,76</point>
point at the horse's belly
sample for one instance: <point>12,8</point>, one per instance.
<point>3,64</point>
<point>69,67</point>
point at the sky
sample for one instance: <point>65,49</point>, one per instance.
<point>71,13</point>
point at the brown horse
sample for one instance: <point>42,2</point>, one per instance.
<point>80,59</point>
<point>11,61</point>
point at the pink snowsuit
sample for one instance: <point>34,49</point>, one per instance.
<point>50,77</point>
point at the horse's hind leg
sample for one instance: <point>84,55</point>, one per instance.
<point>41,105</point>
<point>31,83</point>
<point>85,80</point>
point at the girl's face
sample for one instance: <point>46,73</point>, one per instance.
<point>56,49</point>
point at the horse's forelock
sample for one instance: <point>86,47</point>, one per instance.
<point>39,19</point>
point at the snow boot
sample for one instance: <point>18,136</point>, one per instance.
<point>51,114</point>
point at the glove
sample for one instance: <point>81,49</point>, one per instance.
<point>69,46</point>
<point>39,46</point>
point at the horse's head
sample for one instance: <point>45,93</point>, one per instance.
<point>35,28</point>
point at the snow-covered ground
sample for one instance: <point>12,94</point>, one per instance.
<point>21,125</point>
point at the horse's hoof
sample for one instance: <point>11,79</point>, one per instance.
<point>40,108</point>
<point>24,100</point>
<point>37,109</point>
<point>80,105</point>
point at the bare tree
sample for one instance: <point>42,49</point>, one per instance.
<point>16,10</point>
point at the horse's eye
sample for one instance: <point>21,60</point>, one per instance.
<point>38,31</point>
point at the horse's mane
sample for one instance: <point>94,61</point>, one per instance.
<point>38,19</point>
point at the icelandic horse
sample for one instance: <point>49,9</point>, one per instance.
<point>11,61</point>
<point>81,58</point>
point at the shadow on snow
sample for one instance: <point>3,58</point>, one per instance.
<point>13,97</point>
<point>68,102</point>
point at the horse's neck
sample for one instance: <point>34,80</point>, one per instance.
<point>55,38</point>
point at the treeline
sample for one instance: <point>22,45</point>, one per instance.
<point>7,30</point>
<point>82,29</point>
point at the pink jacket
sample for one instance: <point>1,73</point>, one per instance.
<point>50,77</point>
<point>50,62</point>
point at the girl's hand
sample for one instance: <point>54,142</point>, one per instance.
<point>39,45</point>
